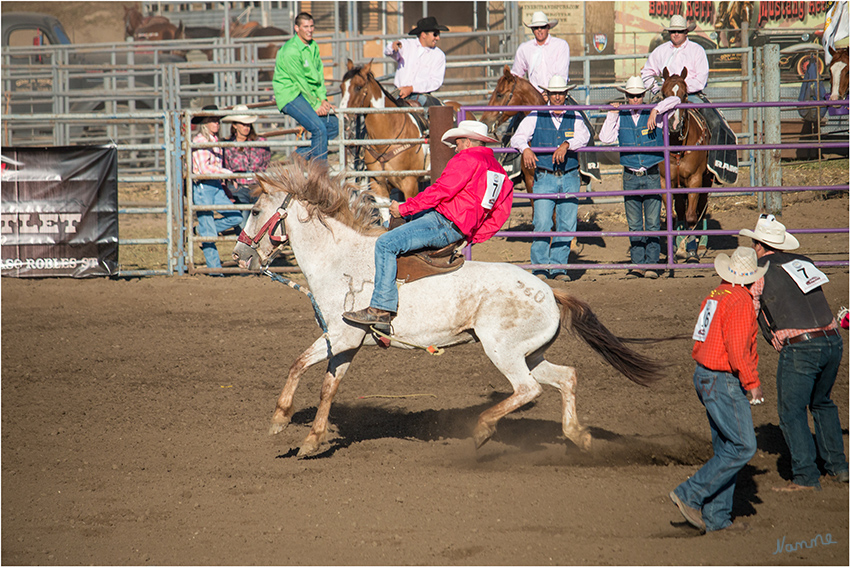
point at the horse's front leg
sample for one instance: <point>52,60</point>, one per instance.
<point>410,186</point>
<point>337,367</point>
<point>317,352</point>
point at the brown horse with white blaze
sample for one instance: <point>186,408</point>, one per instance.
<point>839,72</point>
<point>687,168</point>
<point>360,89</point>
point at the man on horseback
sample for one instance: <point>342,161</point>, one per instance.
<point>299,88</point>
<point>544,56</point>
<point>678,54</point>
<point>554,173</point>
<point>420,64</point>
<point>471,200</point>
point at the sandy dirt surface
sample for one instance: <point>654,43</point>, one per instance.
<point>135,416</point>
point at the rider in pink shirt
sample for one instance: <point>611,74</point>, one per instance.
<point>471,200</point>
<point>544,56</point>
<point>421,64</point>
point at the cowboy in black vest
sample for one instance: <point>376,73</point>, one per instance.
<point>795,318</point>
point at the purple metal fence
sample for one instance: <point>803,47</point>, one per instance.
<point>667,191</point>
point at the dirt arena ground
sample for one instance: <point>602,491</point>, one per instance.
<point>135,415</point>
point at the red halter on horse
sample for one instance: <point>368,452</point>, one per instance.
<point>687,168</point>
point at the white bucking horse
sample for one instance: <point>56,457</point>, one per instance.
<point>514,315</point>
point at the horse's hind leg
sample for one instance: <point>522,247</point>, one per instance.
<point>564,379</point>
<point>525,387</point>
<point>317,352</point>
<point>337,367</point>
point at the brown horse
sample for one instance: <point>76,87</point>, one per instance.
<point>838,71</point>
<point>360,89</point>
<point>254,29</point>
<point>687,168</point>
<point>133,19</point>
<point>512,91</point>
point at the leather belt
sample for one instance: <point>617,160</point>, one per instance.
<point>810,335</point>
<point>557,173</point>
<point>650,171</point>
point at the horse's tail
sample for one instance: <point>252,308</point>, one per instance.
<point>576,315</point>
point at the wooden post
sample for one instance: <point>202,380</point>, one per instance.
<point>442,119</point>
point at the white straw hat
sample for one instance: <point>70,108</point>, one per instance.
<point>557,84</point>
<point>634,86</point>
<point>241,118</point>
<point>742,268</point>
<point>472,129</point>
<point>771,232</point>
<point>678,23</point>
<point>539,19</point>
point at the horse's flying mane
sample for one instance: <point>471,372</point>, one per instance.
<point>323,195</point>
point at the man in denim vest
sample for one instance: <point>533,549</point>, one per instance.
<point>630,127</point>
<point>556,172</point>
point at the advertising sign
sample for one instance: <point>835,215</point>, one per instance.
<point>59,211</point>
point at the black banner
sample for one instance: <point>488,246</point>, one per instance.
<point>59,211</point>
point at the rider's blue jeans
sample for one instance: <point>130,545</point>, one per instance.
<point>429,229</point>
<point>804,379</point>
<point>210,192</point>
<point>733,439</point>
<point>643,212</point>
<point>566,220</point>
<point>321,128</point>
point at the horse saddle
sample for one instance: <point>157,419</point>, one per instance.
<point>419,264</point>
<point>430,262</point>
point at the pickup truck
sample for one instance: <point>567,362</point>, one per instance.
<point>34,44</point>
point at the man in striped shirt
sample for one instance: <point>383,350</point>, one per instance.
<point>727,383</point>
<point>795,318</point>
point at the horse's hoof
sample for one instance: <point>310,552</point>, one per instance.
<point>581,438</point>
<point>482,434</point>
<point>278,426</point>
<point>310,447</point>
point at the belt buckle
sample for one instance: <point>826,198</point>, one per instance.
<point>639,173</point>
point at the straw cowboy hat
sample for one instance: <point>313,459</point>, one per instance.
<point>771,232</point>
<point>634,86</point>
<point>472,129</point>
<point>557,84</point>
<point>539,19</point>
<point>241,118</point>
<point>678,23</point>
<point>426,25</point>
<point>201,119</point>
<point>742,268</point>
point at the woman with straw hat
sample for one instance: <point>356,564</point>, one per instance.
<point>251,159</point>
<point>727,383</point>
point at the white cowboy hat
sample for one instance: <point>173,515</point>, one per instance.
<point>771,232</point>
<point>742,268</point>
<point>557,84</point>
<point>241,118</point>
<point>471,129</point>
<point>634,86</point>
<point>539,19</point>
<point>678,23</point>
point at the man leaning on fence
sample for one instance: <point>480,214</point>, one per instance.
<point>557,172</point>
<point>299,88</point>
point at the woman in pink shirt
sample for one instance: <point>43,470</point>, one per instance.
<point>208,161</point>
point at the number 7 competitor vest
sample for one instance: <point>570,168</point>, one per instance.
<point>783,304</point>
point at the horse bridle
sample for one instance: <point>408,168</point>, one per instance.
<point>501,113</point>
<point>275,229</point>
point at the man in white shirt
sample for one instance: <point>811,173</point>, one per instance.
<point>675,55</point>
<point>557,172</point>
<point>421,65</point>
<point>544,56</point>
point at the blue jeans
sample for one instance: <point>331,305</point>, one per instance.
<point>734,441</point>
<point>210,192</point>
<point>643,212</point>
<point>321,128</point>
<point>804,379</point>
<point>565,210</point>
<point>429,229</point>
